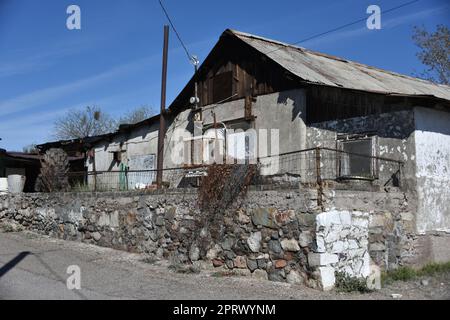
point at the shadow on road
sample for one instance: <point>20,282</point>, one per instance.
<point>11,264</point>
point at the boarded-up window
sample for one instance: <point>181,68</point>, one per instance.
<point>357,159</point>
<point>222,86</point>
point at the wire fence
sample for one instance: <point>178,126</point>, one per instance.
<point>311,166</point>
<point>324,164</point>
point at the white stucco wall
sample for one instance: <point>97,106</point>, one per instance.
<point>432,141</point>
<point>283,111</point>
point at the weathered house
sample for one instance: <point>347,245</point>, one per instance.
<point>373,125</point>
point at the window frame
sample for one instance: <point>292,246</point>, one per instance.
<point>374,163</point>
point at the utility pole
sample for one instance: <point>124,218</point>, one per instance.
<point>162,120</point>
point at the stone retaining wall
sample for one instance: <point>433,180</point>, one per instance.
<point>275,235</point>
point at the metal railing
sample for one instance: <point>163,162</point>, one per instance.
<point>309,166</point>
<point>315,164</point>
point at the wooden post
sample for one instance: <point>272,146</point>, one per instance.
<point>162,122</point>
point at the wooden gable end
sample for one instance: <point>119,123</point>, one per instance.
<point>234,70</point>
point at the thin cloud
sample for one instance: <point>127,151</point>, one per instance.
<point>22,62</point>
<point>386,24</point>
<point>47,95</point>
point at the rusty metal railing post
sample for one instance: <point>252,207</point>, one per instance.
<point>319,178</point>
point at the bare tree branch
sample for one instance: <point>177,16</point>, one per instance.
<point>89,122</point>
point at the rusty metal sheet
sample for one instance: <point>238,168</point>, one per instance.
<point>324,69</point>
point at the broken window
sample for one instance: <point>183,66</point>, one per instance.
<point>357,159</point>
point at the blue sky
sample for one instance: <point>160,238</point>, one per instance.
<point>114,61</point>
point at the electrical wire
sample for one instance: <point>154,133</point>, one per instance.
<point>191,58</point>
<point>343,26</point>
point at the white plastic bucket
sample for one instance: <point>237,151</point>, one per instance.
<point>16,183</point>
<point>3,185</point>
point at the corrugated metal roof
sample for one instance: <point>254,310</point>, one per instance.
<point>328,70</point>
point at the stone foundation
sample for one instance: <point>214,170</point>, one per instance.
<point>274,235</point>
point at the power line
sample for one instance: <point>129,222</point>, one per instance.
<point>344,26</point>
<point>191,58</point>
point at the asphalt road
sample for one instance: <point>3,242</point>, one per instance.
<point>35,267</point>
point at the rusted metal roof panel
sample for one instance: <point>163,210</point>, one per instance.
<point>318,68</point>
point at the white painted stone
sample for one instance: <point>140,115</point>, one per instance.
<point>355,253</point>
<point>346,218</point>
<point>332,236</point>
<point>364,243</point>
<point>349,271</point>
<point>327,278</point>
<point>322,259</point>
<point>374,278</point>
<point>320,244</point>
<point>328,218</point>
<point>290,245</point>
<point>254,241</point>
<point>338,247</point>
<point>357,267</point>
<point>352,244</point>
<point>345,232</point>
<point>366,268</point>
<point>360,222</point>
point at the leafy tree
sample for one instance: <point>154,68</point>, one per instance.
<point>435,53</point>
<point>89,122</point>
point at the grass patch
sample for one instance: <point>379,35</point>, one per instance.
<point>345,283</point>
<point>408,273</point>
<point>434,268</point>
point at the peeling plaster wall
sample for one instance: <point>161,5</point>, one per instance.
<point>142,141</point>
<point>285,112</point>
<point>432,142</point>
<point>395,141</point>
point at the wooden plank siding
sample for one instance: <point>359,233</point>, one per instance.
<point>251,74</point>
